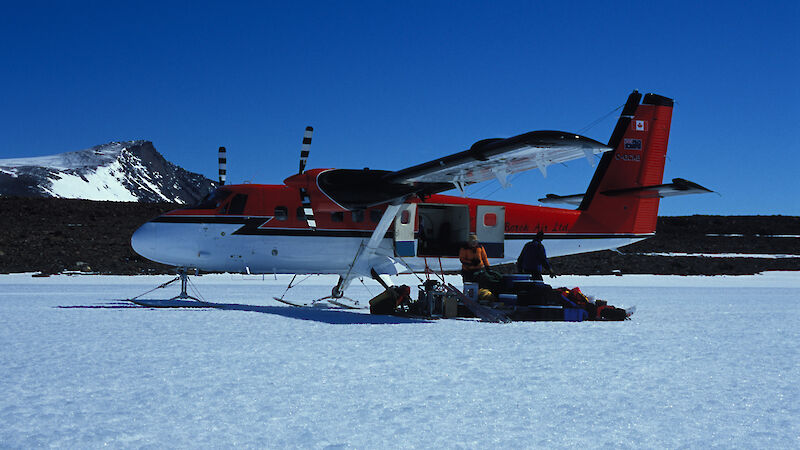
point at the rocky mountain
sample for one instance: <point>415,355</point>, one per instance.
<point>132,171</point>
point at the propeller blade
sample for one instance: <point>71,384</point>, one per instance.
<point>223,165</point>
<point>305,148</point>
<point>308,211</point>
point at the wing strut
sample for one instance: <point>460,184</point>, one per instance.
<point>361,263</point>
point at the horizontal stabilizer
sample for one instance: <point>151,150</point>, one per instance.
<point>679,186</point>
<point>568,199</point>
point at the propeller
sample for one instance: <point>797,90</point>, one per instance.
<point>305,148</point>
<point>305,199</point>
<point>223,165</point>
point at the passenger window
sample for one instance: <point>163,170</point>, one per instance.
<point>237,204</point>
<point>358,216</point>
<point>281,213</point>
<point>337,217</point>
<point>375,215</point>
<point>490,220</point>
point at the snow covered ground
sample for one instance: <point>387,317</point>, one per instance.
<point>706,361</point>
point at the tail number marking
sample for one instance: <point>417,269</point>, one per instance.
<point>628,157</point>
<point>633,144</point>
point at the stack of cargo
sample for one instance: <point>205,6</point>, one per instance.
<point>524,299</point>
<point>500,299</point>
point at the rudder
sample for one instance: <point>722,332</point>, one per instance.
<point>614,201</point>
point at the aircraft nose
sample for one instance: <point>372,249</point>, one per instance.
<point>145,240</point>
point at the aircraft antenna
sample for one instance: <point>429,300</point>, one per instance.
<point>598,120</point>
<point>223,165</point>
<point>305,148</point>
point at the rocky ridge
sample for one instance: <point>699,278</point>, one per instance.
<point>55,235</point>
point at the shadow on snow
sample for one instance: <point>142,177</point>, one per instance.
<point>324,315</point>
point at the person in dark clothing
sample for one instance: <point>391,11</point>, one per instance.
<point>533,259</point>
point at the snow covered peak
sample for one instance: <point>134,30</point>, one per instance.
<point>117,171</point>
<point>91,157</point>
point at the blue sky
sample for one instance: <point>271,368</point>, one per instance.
<point>389,85</point>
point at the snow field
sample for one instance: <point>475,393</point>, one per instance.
<point>102,183</point>
<point>704,362</point>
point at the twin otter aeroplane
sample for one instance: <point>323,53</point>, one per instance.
<point>375,223</point>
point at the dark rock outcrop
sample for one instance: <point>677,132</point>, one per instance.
<point>55,235</point>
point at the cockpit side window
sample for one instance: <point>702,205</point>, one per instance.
<point>237,204</point>
<point>213,200</point>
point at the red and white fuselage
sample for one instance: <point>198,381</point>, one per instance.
<point>361,223</point>
<point>259,242</point>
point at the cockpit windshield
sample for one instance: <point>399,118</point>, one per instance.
<point>213,199</point>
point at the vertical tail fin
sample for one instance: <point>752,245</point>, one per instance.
<point>640,147</point>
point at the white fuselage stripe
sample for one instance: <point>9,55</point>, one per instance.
<point>214,247</point>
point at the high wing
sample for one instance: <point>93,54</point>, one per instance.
<point>485,160</point>
<point>498,158</point>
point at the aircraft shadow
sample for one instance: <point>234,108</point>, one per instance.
<point>323,315</point>
<point>331,316</point>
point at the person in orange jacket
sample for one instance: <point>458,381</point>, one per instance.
<point>473,258</point>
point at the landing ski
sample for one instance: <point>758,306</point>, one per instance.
<point>296,305</point>
<point>171,303</point>
<point>317,303</point>
<point>343,305</point>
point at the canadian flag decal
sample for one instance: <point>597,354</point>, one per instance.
<point>640,125</point>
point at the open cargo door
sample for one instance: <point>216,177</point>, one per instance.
<point>441,229</point>
<point>490,228</point>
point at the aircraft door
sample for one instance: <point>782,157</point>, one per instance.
<point>490,228</point>
<point>404,242</point>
